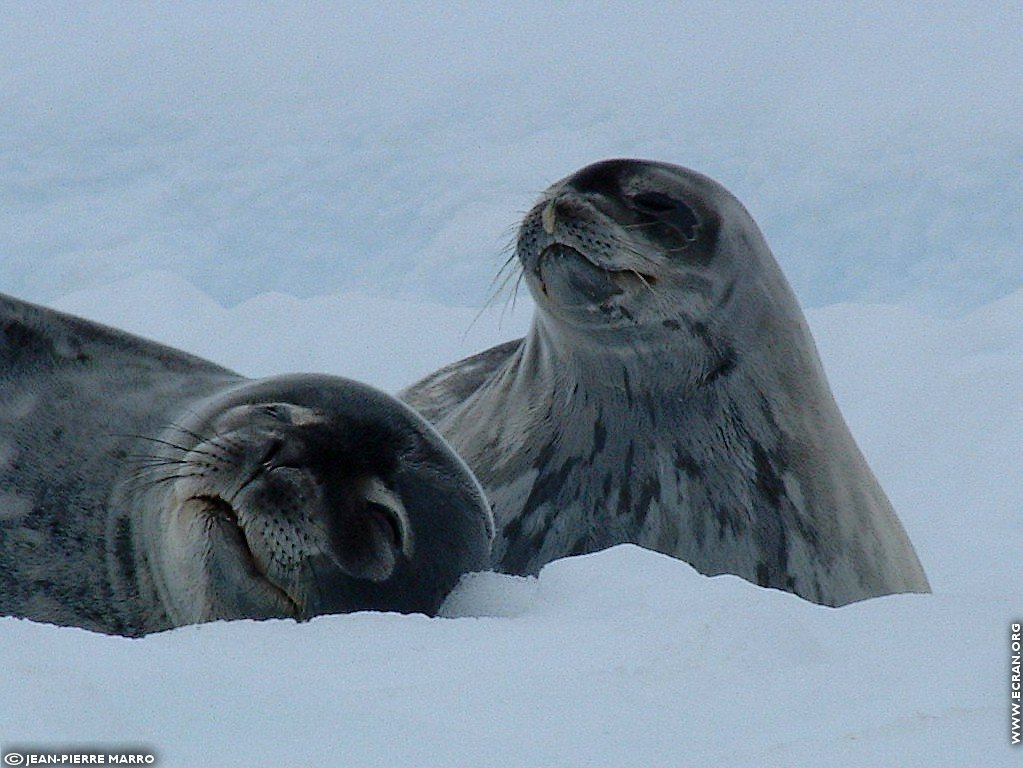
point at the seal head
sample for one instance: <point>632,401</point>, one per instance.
<point>598,244</point>
<point>298,496</point>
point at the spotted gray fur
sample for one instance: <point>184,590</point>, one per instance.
<point>669,394</point>
<point>142,488</point>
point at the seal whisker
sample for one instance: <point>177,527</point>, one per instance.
<point>643,279</point>
<point>149,483</point>
<point>641,225</point>
<point>660,300</point>
<point>217,448</point>
<point>507,271</point>
<point>514,294</point>
<point>215,438</point>
<point>222,441</point>
<point>189,433</point>
<point>149,438</point>
<point>145,457</point>
<point>661,249</point>
<point>504,274</point>
<point>634,250</point>
<point>495,289</point>
<point>145,464</point>
<point>164,473</point>
<point>160,441</point>
<point>204,421</point>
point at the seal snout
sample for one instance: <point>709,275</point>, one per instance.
<point>283,506</point>
<point>303,500</point>
<point>581,244</point>
<point>575,254</point>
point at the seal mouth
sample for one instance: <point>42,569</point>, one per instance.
<point>624,277</point>
<point>220,512</point>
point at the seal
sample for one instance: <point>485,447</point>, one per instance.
<point>142,488</point>
<point>668,394</point>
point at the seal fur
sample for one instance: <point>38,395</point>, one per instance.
<point>142,488</point>
<point>669,394</point>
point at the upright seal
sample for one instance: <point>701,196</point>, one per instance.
<point>142,488</point>
<point>669,394</point>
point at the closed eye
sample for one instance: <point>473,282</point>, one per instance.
<point>654,202</point>
<point>278,411</point>
<point>668,210</point>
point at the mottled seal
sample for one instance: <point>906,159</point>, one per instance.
<point>142,488</point>
<point>668,394</point>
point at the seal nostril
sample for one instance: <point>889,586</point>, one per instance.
<point>388,520</point>
<point>273,448</point>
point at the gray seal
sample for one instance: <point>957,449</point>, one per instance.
<point>669,395</point>
<point>142,488</point>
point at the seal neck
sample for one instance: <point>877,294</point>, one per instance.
<point>564,359</point>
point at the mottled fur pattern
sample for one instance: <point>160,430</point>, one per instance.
<point>61,440</point>
<point>669,394</point>
<point>142,488</point>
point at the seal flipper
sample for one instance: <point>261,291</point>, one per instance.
<point>442,391</point>
<point>72,395</point>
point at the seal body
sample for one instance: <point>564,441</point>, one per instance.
<point>669,394</point>
<point>142,488</point>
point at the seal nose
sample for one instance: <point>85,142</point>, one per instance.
<point>367,543</point>
<point>566,206</point>
<point>548,217</point>
<point>370,531</point>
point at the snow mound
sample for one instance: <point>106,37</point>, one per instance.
<point>624,657</point>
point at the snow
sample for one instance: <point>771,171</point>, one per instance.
<point>329,187</point>
<point>620,658</point>
<point>625,657</point>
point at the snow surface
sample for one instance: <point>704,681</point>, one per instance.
<point>328,187</point>
<point>621,658</point>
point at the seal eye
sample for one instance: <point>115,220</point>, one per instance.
<point>274,410</point>
<point>668,210</point>
<point>654,202</point>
